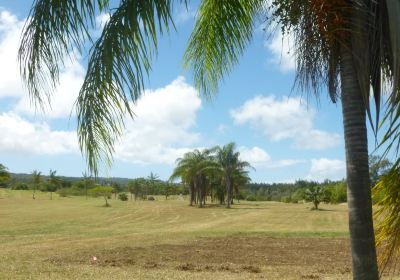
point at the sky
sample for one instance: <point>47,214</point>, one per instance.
<point>285,135</point>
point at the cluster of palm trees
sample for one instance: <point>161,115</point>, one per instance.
<point>217,172</point>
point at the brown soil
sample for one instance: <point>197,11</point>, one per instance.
<point>313,256</point>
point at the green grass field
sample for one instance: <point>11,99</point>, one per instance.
<point>57,239</point>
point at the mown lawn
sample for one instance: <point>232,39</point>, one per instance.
<point>57,239</point>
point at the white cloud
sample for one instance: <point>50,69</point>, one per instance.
<point>62,101</point>
<point>282,50</point>
<point>284,119</point>
<point>259,158</point>
<point>255,156</point>
<point>71,77</point>
<point>286,162</point>
<point>20,136</point>
<point>10,32</point>
<point>324,168</point>
<point>161,130</point>
<point>159,134</point>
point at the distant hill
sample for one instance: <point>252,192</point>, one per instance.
<point>23,177</point>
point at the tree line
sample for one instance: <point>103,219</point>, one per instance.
<point>138,188</point>
<point>203,176</point>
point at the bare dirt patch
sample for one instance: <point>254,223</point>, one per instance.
<point>316,256</point>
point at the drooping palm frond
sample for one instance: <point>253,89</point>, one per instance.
<point>53,30</point>
<point>118,62</point>
<point>222,31</point>
<point>387,190</point>
<point>392,71</point>
<point>387,218</point>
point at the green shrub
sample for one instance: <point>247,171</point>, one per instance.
<point>62,192</point>
<point>251,198</point>
<point>20,186</point>
<point>123,197</point>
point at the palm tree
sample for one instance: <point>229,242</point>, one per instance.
<point>193,169</point>
<point>229,165</point>
<point>86,179</point>
<point>36,178</point>
<point>133,188</point>
<point>315,195</point>
<point>152,180</point>
<point>240,179</point>
<point>356,40</point>
<point>53,183</point>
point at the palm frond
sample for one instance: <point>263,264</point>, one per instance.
<point>222,31</point>
<point>54,29</point>
<point>387,218</point>
<point>119,61</point>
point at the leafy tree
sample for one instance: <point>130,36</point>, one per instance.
<point>104,191</point>
<point>356,40</point>
<point>336,193</point>
<point>117,188</point>
<point>36,181</point>
<point>377,167</point>
<point>168,190</point>
<point>315,195</point>
<point>136,186</point>
<point>4,176</point>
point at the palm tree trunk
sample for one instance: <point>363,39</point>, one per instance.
<point>228,192</point>
<point>358,187</point>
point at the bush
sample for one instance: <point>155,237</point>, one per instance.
<point>251,198</point>
<point>21,186</point>
<point>286,199</point>
<point>123,197</point>
<point>62,192</point>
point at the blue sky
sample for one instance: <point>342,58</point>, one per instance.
<point>285,135</point>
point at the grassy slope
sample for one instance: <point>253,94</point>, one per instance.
<point>57,239</point>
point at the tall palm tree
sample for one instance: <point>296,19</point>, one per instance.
<point>357,40</point>
<point>36,179</point>
<point>229,164</point>
<point>354,40</point>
